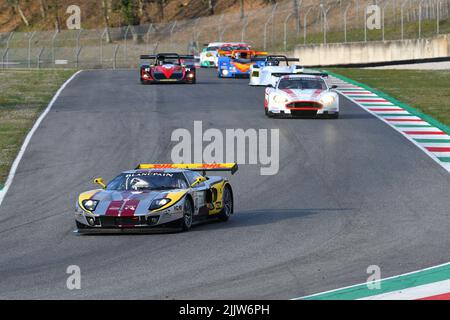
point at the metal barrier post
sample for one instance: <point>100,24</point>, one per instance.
<point>77,56</point>
<point>53,46</point>
<point>116,49</point>
<point>3,57</point>
<point>345,21</point>
<point>305,24</point>
<point>285,29</point>
<point>39,58</point>
<point>125,56</point>
<point>30,39</point>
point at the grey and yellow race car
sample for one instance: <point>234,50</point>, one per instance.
<point>157,195</point>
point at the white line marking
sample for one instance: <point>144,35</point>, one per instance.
<point>12,171</point>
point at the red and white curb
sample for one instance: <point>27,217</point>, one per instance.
<point>430,139</point>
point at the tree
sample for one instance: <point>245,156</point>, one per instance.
<point>43,8</point>
<point>129,10</point>
<point>106,4</point>
<point>18,9</point>
<point>211,4</point>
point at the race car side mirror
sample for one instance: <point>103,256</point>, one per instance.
<point>334,87</point>
<point>270,86</point>
<point>198,181</point>
<point>100,182</point>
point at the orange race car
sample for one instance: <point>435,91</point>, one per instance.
<point>237,63</point>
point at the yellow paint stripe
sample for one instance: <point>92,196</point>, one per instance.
<point>85,196</point>
<point>174,197</point>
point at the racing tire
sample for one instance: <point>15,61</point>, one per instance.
<point>80,225</point>
<point>228,205</point>
<point>334,116</point>
<point>188,215</point>
<point>268,113</point>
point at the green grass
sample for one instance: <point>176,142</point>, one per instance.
<point>427,91</point>
<point>23,96</point>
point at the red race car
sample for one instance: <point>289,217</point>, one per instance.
<point>168,68</point>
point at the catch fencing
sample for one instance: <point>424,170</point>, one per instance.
<point>276,28</point>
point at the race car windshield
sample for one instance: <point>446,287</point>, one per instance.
<point>169,61</point>
<point>211,49</point>
<point>145,181</point>
<point>302,84</point>
<point>234,48</point>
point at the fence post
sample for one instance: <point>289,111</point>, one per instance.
<point>219,33</point>
<point>29,48</point>
<point>285,30</point>
<point>116,49</point>
<point>438,16</point>
<point>150,30</point>
<point>3,58</point>
<point>171,33</point>
<point>365,24</point>
<point>53,46</point>
<point>402,10</point>
<point>273,24</point>
<point>325,21</point>
<point>269,20</point>
<point>305,24</point>
<point>125,55</point>
<point>420,18</point>
<point>39,58</point>
<point>345,21</point>
<point>101,46</point>
<point>244,28</point>
<point>77,56</point>
<point>11,34</point>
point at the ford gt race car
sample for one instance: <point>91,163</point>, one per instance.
<point>302,95</point>
<point>168,68</point>
<point>238,63</point>
<point>271,68</point>
<point>157,195</point>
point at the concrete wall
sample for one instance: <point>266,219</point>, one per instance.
<point>373,52</point>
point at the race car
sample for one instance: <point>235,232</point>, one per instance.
<point>156,196</point>
<point>271,69</point>
<point>209,55</point>
<point>238,63</point>
<point>168,68</point>
<point>302,95</point>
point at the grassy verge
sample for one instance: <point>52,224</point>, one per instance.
<point>23,96</point>
<point>426,91</point>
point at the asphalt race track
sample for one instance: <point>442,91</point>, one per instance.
<point>350,193</point>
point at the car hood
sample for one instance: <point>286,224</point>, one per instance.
<point>129,203</point>
<point>303,95</point>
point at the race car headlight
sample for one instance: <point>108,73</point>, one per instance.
<point>225,72</point>
<point>159,203</point>
<point>280,99</point>
<point>90,204</point>
<point>327,100</point>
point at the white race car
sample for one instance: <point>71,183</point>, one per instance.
<point>271,69</point>
<point>209,56</point>
<point>302,95</point>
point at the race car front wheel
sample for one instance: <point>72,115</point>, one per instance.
<point>186,222</point>
<point>228,205</point>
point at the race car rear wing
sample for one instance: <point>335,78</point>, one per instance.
<point>319,74</point>
<point>281,57</point>
<point>174,55</point>
<point>202,167</point>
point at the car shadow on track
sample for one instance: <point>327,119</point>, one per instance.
<point>245,219</point>
<point>240,219</point>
